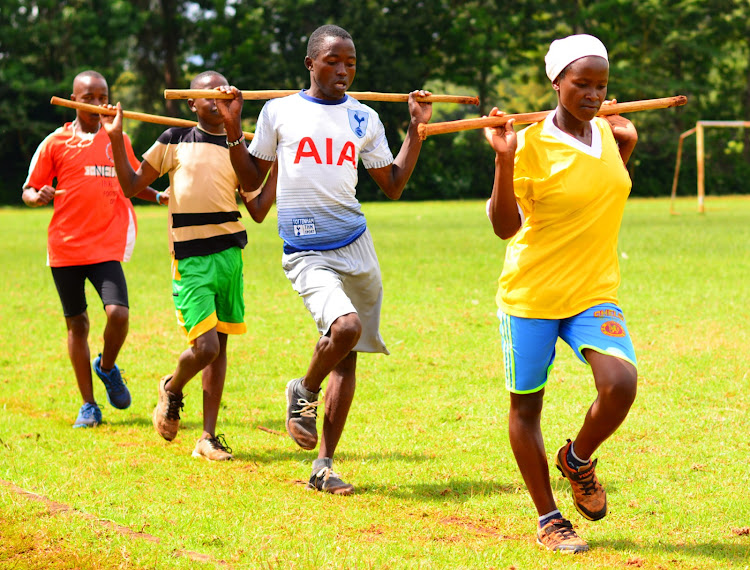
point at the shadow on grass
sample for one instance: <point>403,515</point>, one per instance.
<point>454,490</point>
<point>720,553</point>
<point>294,453</point>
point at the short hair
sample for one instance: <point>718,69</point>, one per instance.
<point>89,73</point>
<point>315,43</point>
<point>203,75</point>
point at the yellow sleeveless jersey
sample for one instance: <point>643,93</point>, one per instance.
<point>563,259</point>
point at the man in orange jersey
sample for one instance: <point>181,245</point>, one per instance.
<point>92,230</point>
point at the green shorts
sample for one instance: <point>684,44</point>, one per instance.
<point>208,292</point>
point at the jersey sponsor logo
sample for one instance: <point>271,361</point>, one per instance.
<point>613,328</point>
<point>308,149</point>
<point>358,121</point>
<point>304,226</point>
<point>100,171</point>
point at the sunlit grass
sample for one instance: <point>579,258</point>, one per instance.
<point>426,443</point>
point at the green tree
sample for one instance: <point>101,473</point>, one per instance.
<point>43,45</point>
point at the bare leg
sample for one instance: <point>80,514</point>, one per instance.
<point>332,349</point>
<point>528,448</point>
<point>115,333</point>
<point>213,377</point>
<point>204,351</point>
<point>616,386</point>
<point>339,396</point>
<point>80,356</point>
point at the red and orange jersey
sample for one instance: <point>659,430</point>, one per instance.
<point>92,220</point>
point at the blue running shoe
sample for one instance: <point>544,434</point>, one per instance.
<point>117,392</point>
<point>88,416</point>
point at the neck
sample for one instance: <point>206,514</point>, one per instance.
<point>216,131</point>
<point>569,124</point>
<point>85,128</point>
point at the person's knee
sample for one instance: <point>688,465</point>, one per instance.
<point>620,386</point>
<point>78,326</point>
<point>526,407</point>
<point>346,330</point>
<point>118,316</point>
<point>206,348</point>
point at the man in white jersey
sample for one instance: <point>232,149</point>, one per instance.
<point>318,136</point>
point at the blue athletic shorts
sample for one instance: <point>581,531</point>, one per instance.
<point>529,344</point>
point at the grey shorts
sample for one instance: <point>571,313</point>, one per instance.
<point>336,282</point>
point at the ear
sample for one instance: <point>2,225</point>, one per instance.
<point>556,86</point>
<point>191,104</point>
<point>308,63</point>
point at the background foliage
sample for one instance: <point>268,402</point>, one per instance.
<point>489,48</point>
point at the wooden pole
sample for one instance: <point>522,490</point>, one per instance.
<point>275,94</point>
<point>700,158</point>
<point>677,167</point>
<point>145,117</point>
<point>426,130</point>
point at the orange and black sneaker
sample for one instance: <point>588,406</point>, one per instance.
<point>558,536</point>
<point>589,497</point>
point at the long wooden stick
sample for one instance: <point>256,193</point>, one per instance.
<point>426,130</point>
<point>359,95</point>
<point>145,117</point>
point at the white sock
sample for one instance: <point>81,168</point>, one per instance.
<point>544,519</point>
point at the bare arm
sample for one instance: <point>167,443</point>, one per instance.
<point>624,132</point>
<point>258,203</point>
<point>132,183</point>
<point>503,209</point>
<point>393,178</point>
<point>34,198</point>
<point>251,171</point>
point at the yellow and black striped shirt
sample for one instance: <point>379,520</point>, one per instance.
<point>203,213</point>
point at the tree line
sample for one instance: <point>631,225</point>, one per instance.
<point>492,49</point>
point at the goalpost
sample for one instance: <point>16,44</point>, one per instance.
<point>699,157</point>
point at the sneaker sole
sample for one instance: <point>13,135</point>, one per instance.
<point>584,513</point>
<point>573,550</point>
<point>196,454</point>
<point>306,447</point>
<point>343,491</point>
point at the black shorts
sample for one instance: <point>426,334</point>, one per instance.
<point>107,278</point>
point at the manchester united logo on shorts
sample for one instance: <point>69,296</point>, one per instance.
<point>613,328</point>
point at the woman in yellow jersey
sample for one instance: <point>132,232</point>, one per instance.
<point>559,193</point>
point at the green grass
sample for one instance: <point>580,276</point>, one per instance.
<point>426,443</point>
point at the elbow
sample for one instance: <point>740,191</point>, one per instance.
<point>504,234</point>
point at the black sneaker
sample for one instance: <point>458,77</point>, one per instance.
<point>326,480</point>
<point>301,416</point>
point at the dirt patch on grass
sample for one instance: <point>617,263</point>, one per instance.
<point>55,508</point>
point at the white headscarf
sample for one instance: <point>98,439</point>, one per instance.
<point>565,51</point>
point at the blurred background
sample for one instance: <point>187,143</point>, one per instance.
<point>494,50</point>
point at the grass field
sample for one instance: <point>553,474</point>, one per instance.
<point>426,443</point>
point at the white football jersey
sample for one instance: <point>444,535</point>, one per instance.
<point>318,144</point>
